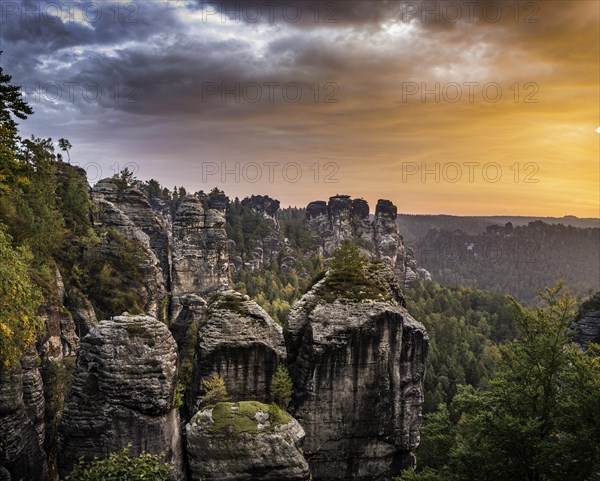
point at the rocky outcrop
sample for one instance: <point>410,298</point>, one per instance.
<point>110,216</point>
<point>239,341</point>
<point>358,366</point>
<point>263,204</point>
<point>587,325</point>
<point>245,441</point>
<point>82,311</point>
<point>136,206</point>
<point>60,338</point>
<point>123,393</point>
<point>343,218</point>
<point>33,393</point>
<point>20,452</point>
<point>200,252</point>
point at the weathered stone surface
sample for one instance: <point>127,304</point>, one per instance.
<point>136,206</point>
<point>82,311</point>
<point>192,307</point>
<point>20,454</point>
<point>245,441</point>
<point>587,324</point>
<point>123,393</point>
<point>200,251</point>
<point>33,392</point>
<point>239,341</point>
<point>263,204</point>
<point>358,369</point>
<point>109,215</point>
<point>60,338</point>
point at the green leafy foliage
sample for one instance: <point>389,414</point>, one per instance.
<point>120,467</point>
<point>19,300</point>
<point>537,419</point>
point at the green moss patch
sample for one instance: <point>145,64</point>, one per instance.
<point>250,417</point>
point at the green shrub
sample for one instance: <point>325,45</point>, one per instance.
<point>120,466</point>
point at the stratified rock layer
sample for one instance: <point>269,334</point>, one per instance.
<point>123,393</point>
<point>116,215</point>
<point>245,441</point>
<point>587,325</point>
<point>358,369</point>
<point>239,341</point>
<point>20,452</point>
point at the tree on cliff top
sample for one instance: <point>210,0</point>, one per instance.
<point>347,261</point>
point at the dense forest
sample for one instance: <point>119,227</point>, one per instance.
<point>514,260</point>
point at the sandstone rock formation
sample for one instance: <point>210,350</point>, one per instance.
<point>20,452</point>
<point>111,216</point>
<point>123,393</point>
<point>343,218</point>
<point>200,252</point>
<point>239,341</point>
<point>587,324</point>
<point>358,367</point>
<point>136,206</point>
<point>60,338</point>
<point>245,441</point>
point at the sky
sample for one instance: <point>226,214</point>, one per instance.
<point>464,108</point>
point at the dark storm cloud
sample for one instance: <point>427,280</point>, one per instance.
<point>306,13</point>
<point>163,73</point>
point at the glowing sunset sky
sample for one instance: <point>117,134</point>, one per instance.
<point>155,84</point>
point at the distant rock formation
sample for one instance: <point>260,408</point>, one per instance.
<point>266,250</point>
<point>358,367</point>
<point>263,204</point>
<point>240,342</point>
<point>123,393</point>
<point>343,218</point>
<point>245,441</point>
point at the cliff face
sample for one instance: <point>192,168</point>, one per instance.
<point>60,339</point>
<point>358,368</point>
<point>123,393</point>
<point>239,341</point>
<point>245,441</point>
<point>343,218</point>
<point>20,452</point>
<point>587,324</point>
<point>135,205</point>
<point>200,260</point>
<point>113,215</point>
